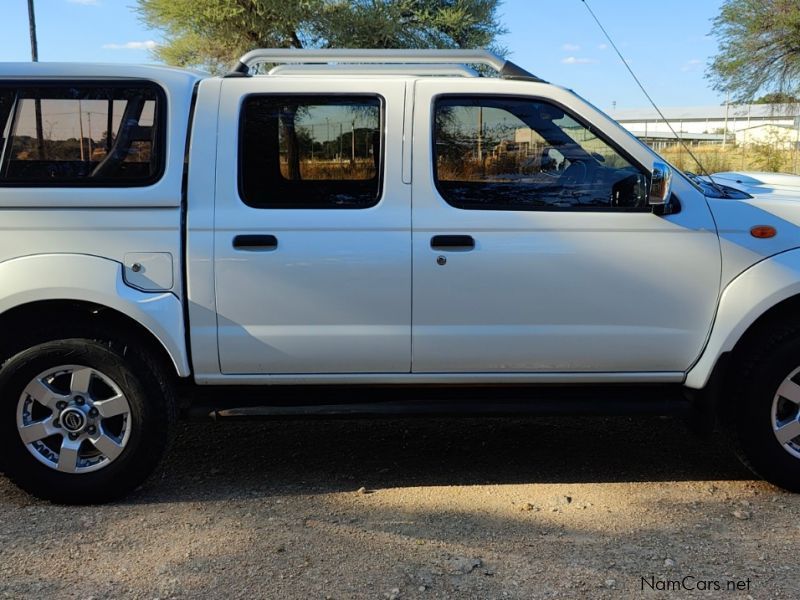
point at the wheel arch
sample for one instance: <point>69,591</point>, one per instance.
<point>28,324</point>
<point>785,310</point>
<point>44,291</point>
<point>766,294</point>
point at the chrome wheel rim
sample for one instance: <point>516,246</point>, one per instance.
<point>786,414</point>
<point>74,419</point>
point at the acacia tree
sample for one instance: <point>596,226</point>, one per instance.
<point>759,48</point>
<point>213,33</point>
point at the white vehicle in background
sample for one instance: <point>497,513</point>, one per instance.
<point>760,183</point>
<point>366,233</point>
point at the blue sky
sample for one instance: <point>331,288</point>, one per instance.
<point>666,44</point>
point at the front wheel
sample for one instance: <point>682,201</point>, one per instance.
<point>766,415</point>
<point>82,421</point>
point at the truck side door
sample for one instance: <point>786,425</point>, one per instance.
<point>312,252</point>
<point>535,250</point>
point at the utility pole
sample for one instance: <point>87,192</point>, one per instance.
<point>32,28</point>
<point>725,128</point>
<point>80,124</point>
<point>746,131</point>
<point>89,118</point>
<point>37,103</point>
<point>480,134</point>
<point>353,142</point>
<point>328,141</point>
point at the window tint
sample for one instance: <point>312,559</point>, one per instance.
<point>310,152</point>
<point>81,134</point>
<point>518,154</point>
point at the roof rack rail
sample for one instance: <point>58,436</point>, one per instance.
<point>452,70</point>
<point>505,68</point>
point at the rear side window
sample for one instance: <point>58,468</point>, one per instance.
<point>82,134</point>
<point>310,151</point>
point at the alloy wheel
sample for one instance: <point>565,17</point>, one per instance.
<point>74,419</point>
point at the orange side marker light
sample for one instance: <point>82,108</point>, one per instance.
<point>763,231</point>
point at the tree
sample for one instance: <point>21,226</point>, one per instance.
<point>759,48</point>
<point>214,33</point>
<point>406,24</point>
<point>777,98</point>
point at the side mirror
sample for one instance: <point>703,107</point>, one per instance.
<point>660,185</point>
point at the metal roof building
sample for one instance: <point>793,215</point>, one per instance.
<point>727,123</point>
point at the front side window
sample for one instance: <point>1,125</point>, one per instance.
<point>81,134</point>
<point>519,154</point>
<point>310,151</point>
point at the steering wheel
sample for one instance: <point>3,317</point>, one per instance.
<point>576,173</point>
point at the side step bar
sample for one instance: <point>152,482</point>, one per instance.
<point>375,402</point>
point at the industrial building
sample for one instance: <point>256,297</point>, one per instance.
<point>739,124</point>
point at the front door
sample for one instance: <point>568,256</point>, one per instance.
<point>312,249</point>
<point>534,248</point>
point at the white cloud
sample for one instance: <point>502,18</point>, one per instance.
<point>602,46</point>
<point>570,47</point>
<point>575,60</point>
<point>692,65</point>
<point>84,2</point>
<point>146,45</point>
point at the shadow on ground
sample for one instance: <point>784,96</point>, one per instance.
<point>268,509</point>
<point>229,459</point>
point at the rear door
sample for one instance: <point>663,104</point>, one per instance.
<point>312,248</point>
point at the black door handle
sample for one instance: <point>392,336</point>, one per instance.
<point>255,243</point>
<point>452,242</point>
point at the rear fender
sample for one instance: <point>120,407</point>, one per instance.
<point>87,278</point>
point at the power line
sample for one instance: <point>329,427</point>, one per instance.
<point>655,106</point>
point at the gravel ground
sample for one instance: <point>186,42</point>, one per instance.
<point>466,508</point>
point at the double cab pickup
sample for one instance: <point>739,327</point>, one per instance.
<point>368,232</point>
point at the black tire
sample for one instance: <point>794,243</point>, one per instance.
<point>771,359</point>
<point>152,417</point>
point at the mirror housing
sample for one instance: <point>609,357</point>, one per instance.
<point>660,185</point>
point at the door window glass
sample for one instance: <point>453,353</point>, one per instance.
<point>310,151</point>
<point>518,154</point>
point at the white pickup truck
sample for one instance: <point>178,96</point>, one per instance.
<point>367,233</point>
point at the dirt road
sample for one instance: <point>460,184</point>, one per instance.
<point>492,508</point>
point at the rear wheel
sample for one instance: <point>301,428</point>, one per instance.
<point>82,421</point>
<point>765,417</point>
